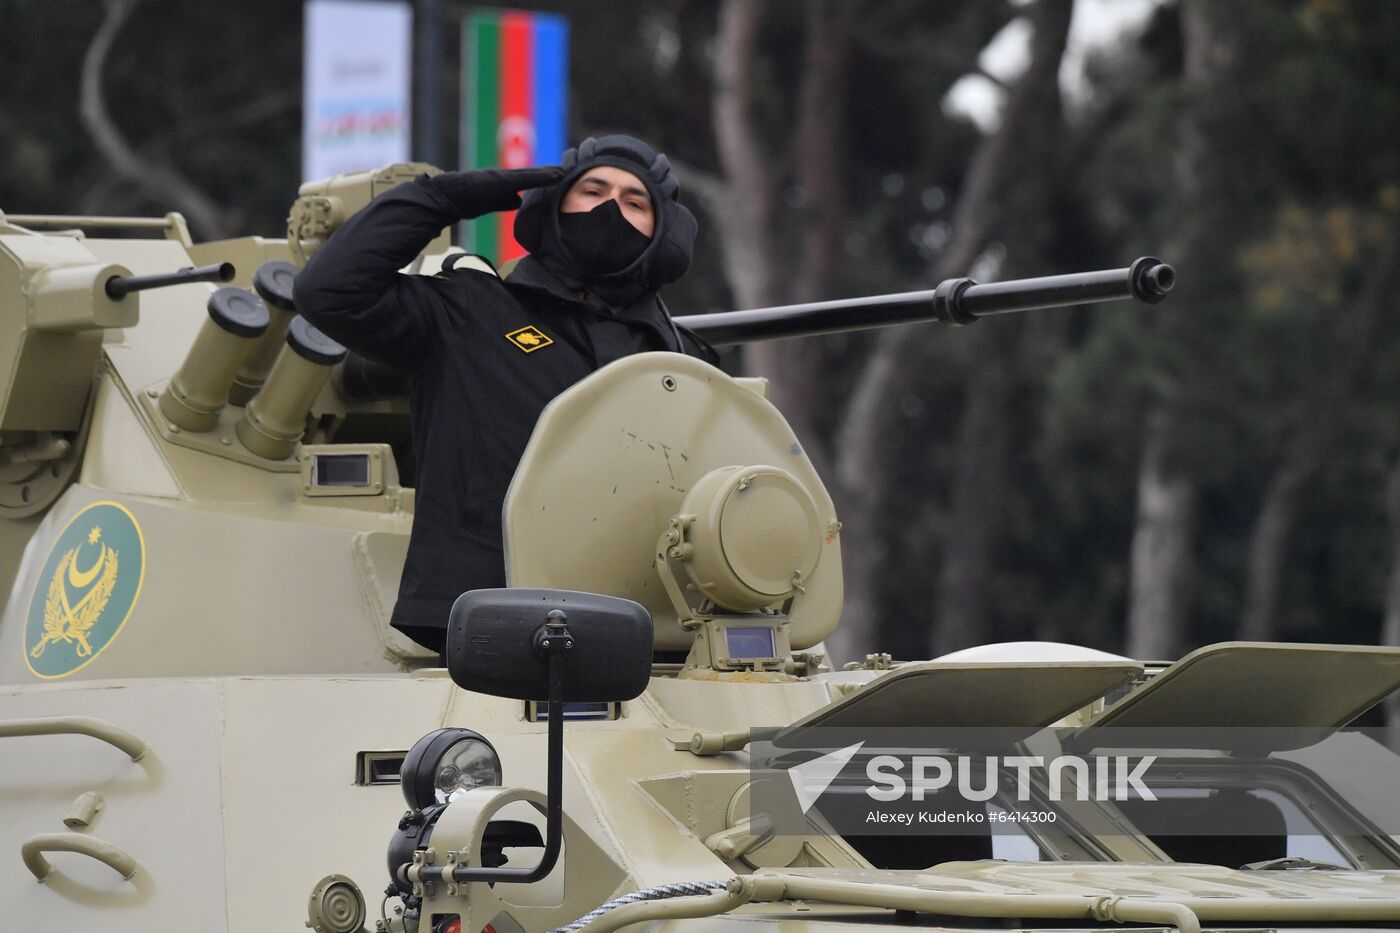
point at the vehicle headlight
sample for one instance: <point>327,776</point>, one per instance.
<point>446,762</point>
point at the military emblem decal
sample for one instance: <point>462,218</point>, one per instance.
<point>86,590</point>
<point>529,338</point>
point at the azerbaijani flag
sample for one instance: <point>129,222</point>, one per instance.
<point>515,69</point>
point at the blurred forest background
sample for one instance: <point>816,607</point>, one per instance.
<point>1226,465</point>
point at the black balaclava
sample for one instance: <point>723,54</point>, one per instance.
<point>599,251</point>
<point>601,240</point>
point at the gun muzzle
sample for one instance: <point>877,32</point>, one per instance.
<point>118,286</point>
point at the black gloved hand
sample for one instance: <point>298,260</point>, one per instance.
<point>488,190</point>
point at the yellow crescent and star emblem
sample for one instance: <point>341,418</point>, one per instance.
<point>529,338</point>
<point>86,590</point>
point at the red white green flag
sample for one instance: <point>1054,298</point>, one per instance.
<point>515,68</point>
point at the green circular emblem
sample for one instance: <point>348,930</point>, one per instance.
<point>86,590</point>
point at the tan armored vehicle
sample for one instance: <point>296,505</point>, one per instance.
<point>207,723</point>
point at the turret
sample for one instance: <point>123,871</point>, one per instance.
<point>63,298</point>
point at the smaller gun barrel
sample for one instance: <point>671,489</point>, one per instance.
<point>119,286</point>
<point>955,301</point>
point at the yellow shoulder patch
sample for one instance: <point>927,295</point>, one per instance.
<point>529,338</point>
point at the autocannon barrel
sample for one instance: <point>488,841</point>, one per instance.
<point>118,286</point>
<point>955,301</point>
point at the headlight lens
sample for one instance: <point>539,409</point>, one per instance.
<point>469,763</point>
<point>446,762</point>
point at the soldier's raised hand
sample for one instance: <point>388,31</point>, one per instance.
<point>488,190</point>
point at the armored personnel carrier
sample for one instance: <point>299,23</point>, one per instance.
<point>207,722</point>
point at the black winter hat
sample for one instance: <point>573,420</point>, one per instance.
<point>664,260</point>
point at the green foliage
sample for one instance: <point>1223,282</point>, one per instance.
<point>1257,353</point>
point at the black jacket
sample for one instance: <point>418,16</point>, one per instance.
<point>476,389</point>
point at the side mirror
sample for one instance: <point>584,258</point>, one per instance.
<point>497,644</point>
<point>554,645</point>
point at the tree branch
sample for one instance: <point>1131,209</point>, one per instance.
<point>162,182</point>
<point>747,218</point>
<point>99,196</point>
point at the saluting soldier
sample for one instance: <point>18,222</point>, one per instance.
<point>605,231</point>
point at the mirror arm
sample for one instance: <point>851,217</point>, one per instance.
<point>553,639</point>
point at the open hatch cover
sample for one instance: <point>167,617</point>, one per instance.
<point>1250,685</point>
<point>1025,695</point>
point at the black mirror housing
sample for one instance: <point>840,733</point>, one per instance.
<point>493,641</point>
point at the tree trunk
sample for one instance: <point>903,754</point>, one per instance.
<point>1008,197</point>
<point>759,273</point>
<point>797,368</point>
<point>799,388</point>
<point>980,485</point>
<point>1351,348</point>
<point>861,476</point>
<point>753,263</point>
<point>1268,547</point>
<point>1161,550</point>
<point>1161,566</point>
<point>747,219</point>
<point>818,148</point>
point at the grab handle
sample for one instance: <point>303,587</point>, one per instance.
<point>33,849</point>
<point>76,725</point>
